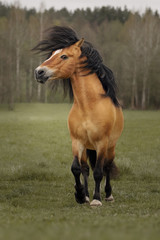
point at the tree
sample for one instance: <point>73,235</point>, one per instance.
<point>150,44</point>
<point>132,56</point>
<point>142,39</point>
<point>128,42</point>
<point>18,25</point>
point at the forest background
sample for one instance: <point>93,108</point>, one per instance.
<point>129,43</point>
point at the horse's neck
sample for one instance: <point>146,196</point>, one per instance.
<point>87,90</point>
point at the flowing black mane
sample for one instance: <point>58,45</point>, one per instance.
<point>62,37</point>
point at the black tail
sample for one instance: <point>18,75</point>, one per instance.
<point>92,155</point>
<point>114,171</point>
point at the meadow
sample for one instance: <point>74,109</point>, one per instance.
<point>37,187</point>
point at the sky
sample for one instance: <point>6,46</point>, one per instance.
<point>134,5</point>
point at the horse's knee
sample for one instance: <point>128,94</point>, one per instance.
<point>76,168</point>
<point>85,169</point>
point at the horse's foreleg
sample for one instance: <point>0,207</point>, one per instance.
<point>98,175</point>
<point>98,170</point>
<point>78,152</point>
<point>80,191</point>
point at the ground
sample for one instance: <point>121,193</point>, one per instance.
<point>37,187</point>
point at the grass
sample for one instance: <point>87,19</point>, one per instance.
<point>37,187</point>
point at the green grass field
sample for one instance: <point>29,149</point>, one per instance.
<point>37,188</point>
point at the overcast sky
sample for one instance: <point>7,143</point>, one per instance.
<point>134,5</point>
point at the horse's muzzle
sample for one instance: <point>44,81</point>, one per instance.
<point>41,75</point>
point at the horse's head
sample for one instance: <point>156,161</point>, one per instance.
<point>61,64</point>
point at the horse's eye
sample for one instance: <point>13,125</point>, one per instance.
<point>64,57</point>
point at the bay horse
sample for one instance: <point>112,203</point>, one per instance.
<point>95,120</point>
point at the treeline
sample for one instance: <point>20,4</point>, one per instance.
<point>128,42</point>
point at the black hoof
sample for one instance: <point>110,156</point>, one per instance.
<point>80,195</point>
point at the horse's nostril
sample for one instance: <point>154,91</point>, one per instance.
<point>40,72</point>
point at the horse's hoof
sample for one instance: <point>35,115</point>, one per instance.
<point>95,203</point>
<point>110,199</point>
<point>80,198</point>
<point>87,200</point>
<point>80,195</point>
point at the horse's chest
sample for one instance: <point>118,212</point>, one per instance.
<point>86,131</point>
<point>88,128</point>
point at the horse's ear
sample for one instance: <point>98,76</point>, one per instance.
<point>80,43</point>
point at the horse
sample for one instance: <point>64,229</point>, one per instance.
<point>95,120</point>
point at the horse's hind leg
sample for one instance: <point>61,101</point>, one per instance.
<point>85,172</point>
<point>108,188</point>
<point>108,167</point>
